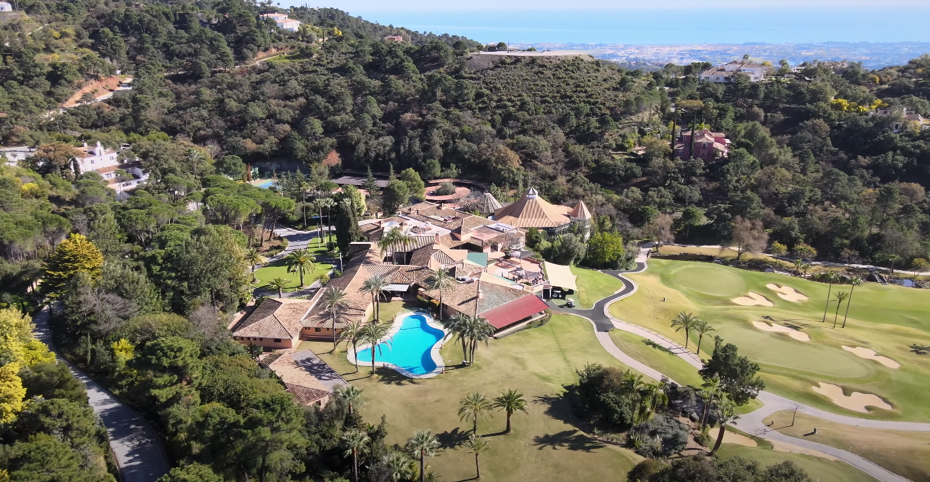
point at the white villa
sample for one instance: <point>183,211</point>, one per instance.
<point>284,23</point>
<point>96,158</point>
<point>724,73</point>
<point>6,7</point>
<point>14,155</point>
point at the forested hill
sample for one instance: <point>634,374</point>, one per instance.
<point>818,158</point>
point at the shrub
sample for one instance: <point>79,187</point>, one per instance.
<point>324,279</point>
<point>660,437</point>
<point>445,189</point>
<point>703,439</point>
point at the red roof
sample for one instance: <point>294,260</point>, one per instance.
<point>514,311</point>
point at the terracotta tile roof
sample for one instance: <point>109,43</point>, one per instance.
<point>580,211</point>
<point>532,211</point>
<point>306,388</point>
<point>464,297</point>
<point>274,318</point>
<point>516,310</point>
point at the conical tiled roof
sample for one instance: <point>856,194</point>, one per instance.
<point>580,211</point>
<point>488,203</point>
<point>532,211</point>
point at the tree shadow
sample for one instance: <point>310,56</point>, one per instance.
<point>652,344</point>
<point>391,377</point>
<point>452,439</point>
<point>567,439</point>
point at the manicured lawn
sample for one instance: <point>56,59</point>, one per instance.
<point>537,362</point>
<point>819,469</point>
<point>278,269</point>
<point>904,453</point>
<point>390,309</point>
<point>887,319</point>
<point>593,286</point>
<point>656,357</point>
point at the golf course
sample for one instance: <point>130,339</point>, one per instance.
<point>866,369</point>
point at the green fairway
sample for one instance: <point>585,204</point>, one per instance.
<point>656,357</point>
<point>819,469</point>
<point>278,269</point>
<point>537,362</point>
<point>593,286</point>
<point>887,319</point>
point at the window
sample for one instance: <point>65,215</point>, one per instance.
<point>316,330</point>
<point>277,340</point>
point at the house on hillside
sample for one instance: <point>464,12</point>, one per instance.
<point>283,22</point>
<point>903,119</point>
<point>96,158</point>
<point>532,211</point>
<point>14,155</point>
<point>6,7</point>
<point>724,73</point>
<point>708,145</point>
<point>393,38</point>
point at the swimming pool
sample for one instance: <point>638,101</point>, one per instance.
<point>412,347</point>
<point>264,184</point>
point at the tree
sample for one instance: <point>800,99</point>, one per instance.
<point>748,235</point>
<point>335,303</point>
<point>279,284</point>
<point>347,230</point>
<point>253,258</point>
<point>510,401</point>
<point>301,261</point>
<point>477,329</point>
<point>18,343</point>
<point>375,286</point>
<point>390,239</point>
<point>415,185</point>
<point>726,414</point>
<point>191,473</point>
<point>831,278</point>
<point>352,333</point>
<point>691,216</point>
<point>440,282</point>
<point>737,373</point>
<point>52,380</point>
<point>778,249</point>
<point>351,395</point>
<point>605,250</point>
<point>458,326</point>
<point>702,327</point>
<point>920,265</point>
<point>396,195</point>
<point>710,391</point>
<point>74,255</point>
<point>355,440</point>
<point>423,444</point>
<point>477,445</point>
<point>804,252</point>
<point>685,321</point>
<point>12,392</point>
<point>474,406</point>
<point>854,281</point>
<point>839,297</point>
<point>662,230</point>
<point>231,166</point>
<point>371,184</point>
<point>374,334</point>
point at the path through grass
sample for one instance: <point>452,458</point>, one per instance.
<point>593,286</point>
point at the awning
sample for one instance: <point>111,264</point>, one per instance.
<point>396,287</point>
<point>516,310</point>
<point>561,276</point>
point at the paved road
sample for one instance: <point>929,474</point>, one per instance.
<point>751,422</point>
<point>138,451</point>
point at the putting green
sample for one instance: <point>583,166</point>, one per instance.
<point>708,279</point>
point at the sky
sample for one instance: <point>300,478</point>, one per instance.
<point>369,6</point>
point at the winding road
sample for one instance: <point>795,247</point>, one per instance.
<point>752,422</point>
<point>138,451</point>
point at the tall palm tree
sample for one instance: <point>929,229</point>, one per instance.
<point>399,466</point>
<point>854,281</point>
<point>351,395</point>
<point>335,301</point>
<point>710,392</point>
<point>355,441</point>
<point>300,261</point>
<point>510,401</point>
<point>702,327</point>
<point>375,287</point>
<point>798,265</point>
<point>475,405</point>
<point>253,258</point>
<point>831,278</point>
<point>325,203</point>
<point>423,444</point>
<point>478,329</point>
<point>458,325</point>
<point>839,297</point>
<point>392,238</point>
<point>727,415</point>
<point>651,398</point>
<point>375,333</point>
<point>685,321</point>
<point>439,282</point>
<point>477,445</point>
<point>352,333</point>
<point>279,284</point>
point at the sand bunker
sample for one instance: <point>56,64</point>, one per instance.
<point>787,293</point>
<point>870,354</point>
<point>752,299</point>
<point>738,439</point>
<point>855,402</point>
<point>797,335</point>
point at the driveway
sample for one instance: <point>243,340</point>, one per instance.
<point>138,451</point>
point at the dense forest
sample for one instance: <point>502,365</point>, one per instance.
<point>146,286</point>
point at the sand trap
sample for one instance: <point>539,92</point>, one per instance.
<point>797,335</point>
<point>870,354</point>
<point>752,299</point>
<point>855,402</point>
<point>738,439</point>
<point>787,293</point>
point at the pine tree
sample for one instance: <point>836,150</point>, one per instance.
<point>75,254</point>
<point>346,221</point>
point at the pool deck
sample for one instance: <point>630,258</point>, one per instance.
<point>395,327</point>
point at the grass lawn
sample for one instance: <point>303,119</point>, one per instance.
<point>390,309</point>
<point>887,319</point>
<point>278,269</point>
<point>819,469</point>
<point>593,286</point>
<point>657,357</point>
<point>537,363</point>
<point>904,453</point>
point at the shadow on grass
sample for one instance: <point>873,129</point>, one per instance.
<point>452,439</point>
<point>652,344</point>
<point>391,377</point>
<point>567,439</point>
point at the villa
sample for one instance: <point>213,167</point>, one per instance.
<point>708,145</point>
<point>532,211</point>
<point>283,22</point>
<point>724,73</point>
<point>14,155</point>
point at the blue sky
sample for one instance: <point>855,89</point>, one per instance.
<point>367,6</point>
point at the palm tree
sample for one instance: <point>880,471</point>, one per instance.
<point>279,284</point>
<point>399,466</point>
<point>727,415</point>
<point>321,204</point>
<point>352,333</point>
<point>702,327</point>
<point>710,392</point>
<point>478,329</point>
<point>300,261</point>
<point>510,402</point>
<point>458,325</point>
<point>831,278</point>
<point>335,303</point>
<point>374,333</point>
<point>685,321</point>
<point>253,258</point>
<point>423,444</point>
<point>651,398</point>
<point>351,395</point>
<point>375,287</point>
<point>798,265</point>
<point>473,406</point>
<point>839,297</point>
<point>355,440</point>
<point>477,445</point>
<point>439,282</point>
<point>854,281</point>
<point>392,238</point>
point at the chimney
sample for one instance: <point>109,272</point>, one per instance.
<point>480,294</point>
<point>436,239</point>
<point>85,144</point>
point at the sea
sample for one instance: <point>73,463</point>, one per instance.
<point>708,25</point>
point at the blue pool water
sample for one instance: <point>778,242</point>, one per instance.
<point>409,348</point>
<point>265,184</point>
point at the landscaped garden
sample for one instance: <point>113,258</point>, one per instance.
<point>278,269</point>
<point>785,333</point>
<point>593,286</point>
